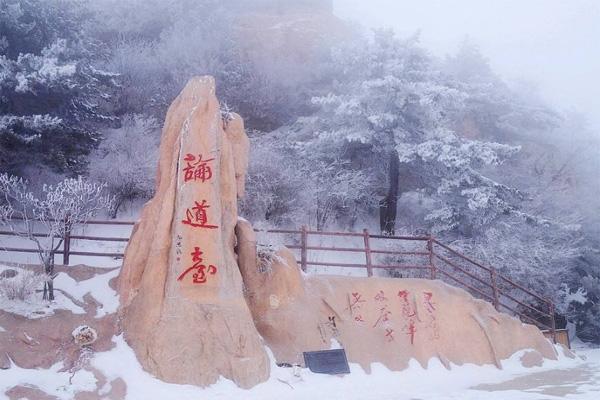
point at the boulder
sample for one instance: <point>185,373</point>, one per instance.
<point>182,305</point>
<point>386,320</point>
<point>84,335</point>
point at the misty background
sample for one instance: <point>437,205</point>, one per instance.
<point>551,46</point>
<point>471,121</point>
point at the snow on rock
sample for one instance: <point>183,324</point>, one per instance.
<point>84,335</point>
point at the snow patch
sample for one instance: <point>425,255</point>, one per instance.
<point>435,382</point>
<point>96,286</point>
<point>63,385</point>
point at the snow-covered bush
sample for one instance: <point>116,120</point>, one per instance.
<point>21,286</point>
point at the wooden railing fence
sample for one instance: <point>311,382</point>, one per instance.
<point>425,254</point>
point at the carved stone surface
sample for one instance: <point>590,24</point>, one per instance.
<point>183,309</point>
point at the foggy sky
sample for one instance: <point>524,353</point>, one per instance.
<point>553,43</point>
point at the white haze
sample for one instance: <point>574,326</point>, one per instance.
<point>554,45</point>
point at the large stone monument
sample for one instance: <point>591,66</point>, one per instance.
<point>182,304</point>
<point>193,310</point>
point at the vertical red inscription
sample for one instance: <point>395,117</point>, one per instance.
<point>428,302</point>
<point>409,313</point>
<point>354,305</point>
<point>411,331</point>
<point>431,322</point>
<point>202,271</point>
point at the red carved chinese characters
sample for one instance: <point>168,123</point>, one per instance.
<point>202,271</point>
<point>380,296</point>
<point>409,313</point>
<point>384,316</point>
<point>389,334</point>
<point>197,169</point>
<point>427,302</point>
<point>411,330</point>
<point>430,320</point>
<point>354,305</point>
<point>196,216</point>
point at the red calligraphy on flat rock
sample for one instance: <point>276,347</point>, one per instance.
<point>354,303</point>
<point>384,316</point>
<point>430,319</point>
<point>410,314</point>
<point>428,302</point>
<point>380,296</point>
<point>197,216</point>
<point>412,329</point>
<point>201,271</point>
<point>389,334</point>
<point>197,169</point>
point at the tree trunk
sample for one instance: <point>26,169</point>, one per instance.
<point>387,206</point>
<point>114,209</point>
<point>49,284</point>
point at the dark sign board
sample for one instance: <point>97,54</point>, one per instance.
<point>327,361</point>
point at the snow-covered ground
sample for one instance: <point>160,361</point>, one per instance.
<point>565,378</point>
<point>69,294</point>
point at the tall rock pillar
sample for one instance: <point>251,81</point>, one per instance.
<point>182,305</point>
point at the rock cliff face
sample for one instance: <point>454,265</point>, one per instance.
<point>182,304</point>
<point>382,320</point>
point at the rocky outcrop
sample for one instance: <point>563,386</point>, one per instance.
<point>182,305</point>
<point>382,320</point>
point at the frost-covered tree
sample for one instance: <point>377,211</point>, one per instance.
<point>493,110</point>
<point>126,160</point>
<point>387,117</point>
<point>44,219</point>
<point>52,97</point>
<point>157,45</point>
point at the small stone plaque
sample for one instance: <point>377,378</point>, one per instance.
<point>331,362</point>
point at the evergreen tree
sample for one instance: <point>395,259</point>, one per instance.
<point>52,98</point>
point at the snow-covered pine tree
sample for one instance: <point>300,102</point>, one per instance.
<point>52,98</point>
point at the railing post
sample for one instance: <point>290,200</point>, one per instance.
<point>67,241</point>
<point>552,320</point>
<point>303,245</point>
<point>368,253</point>
<point>431,263</point>
<point>495,288</point>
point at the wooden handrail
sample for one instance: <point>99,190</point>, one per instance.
<point>444,259</point>
<point>304,233</point>
<point>461,255</point>
<point>510,281</point>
